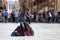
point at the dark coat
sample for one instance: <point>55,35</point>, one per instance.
<point>20,30</point>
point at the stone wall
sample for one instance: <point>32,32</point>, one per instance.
<point>0,3</point>
<point>58,6</point>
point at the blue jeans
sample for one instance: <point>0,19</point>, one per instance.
<point>21,19</point>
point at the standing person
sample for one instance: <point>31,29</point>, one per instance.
<point>58,17</point>
<point>49,17</point>
<point>8,17</point>
<point>21,16</point>
<point>34,16</point>
<point>29,16</point>
<point>28,19</point>
<point>12,18</point>
<point>44,17</point>
<point>16,15</point>
<point>5,15</point>
<point>55,17</point>
<point>40,17</point>
<point>0,16</point>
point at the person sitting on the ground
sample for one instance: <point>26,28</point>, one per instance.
<point>28,30</point>
<point>19,30</point>
<point>23,30</point>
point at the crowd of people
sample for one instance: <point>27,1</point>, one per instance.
<point>18,16</point>
<point>49,17</point>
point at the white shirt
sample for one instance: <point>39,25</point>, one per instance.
<point>16,13</point>
<point>50,14</point>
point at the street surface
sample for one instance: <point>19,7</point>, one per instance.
<point>42,31</point>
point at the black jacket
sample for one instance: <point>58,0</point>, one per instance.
<point>20,30</point>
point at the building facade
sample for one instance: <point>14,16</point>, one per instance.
<point>58,5</point>
<point>0,3</point>
<point>40,6</point>
<point>16,5</point>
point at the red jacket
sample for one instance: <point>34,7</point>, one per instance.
<point>21,14</point>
